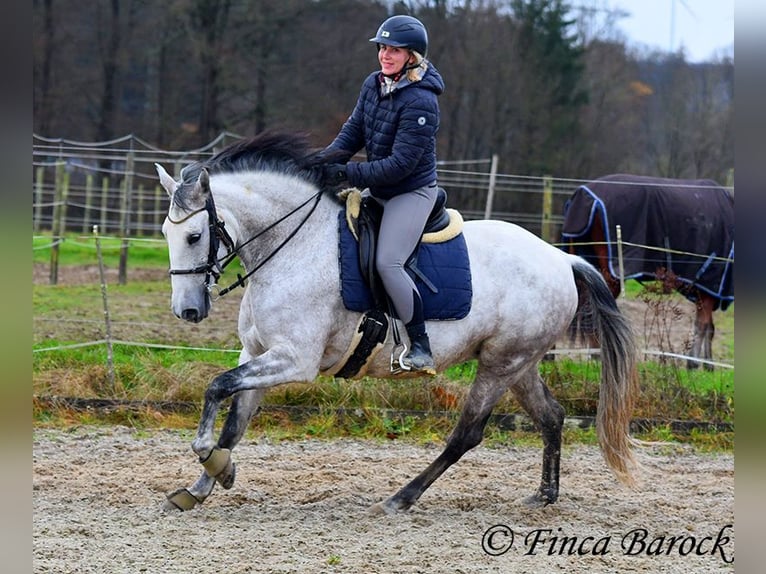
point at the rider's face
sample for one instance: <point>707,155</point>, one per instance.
<point>392,59</point>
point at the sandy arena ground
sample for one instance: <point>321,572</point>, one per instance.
<point>302,507</point>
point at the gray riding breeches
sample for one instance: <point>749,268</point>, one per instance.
<point>404,217</point>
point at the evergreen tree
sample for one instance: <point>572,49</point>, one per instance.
<point>551,71</point>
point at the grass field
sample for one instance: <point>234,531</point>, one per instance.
<point>73,314</point>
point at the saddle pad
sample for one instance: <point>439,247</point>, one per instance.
<point>445,264</point>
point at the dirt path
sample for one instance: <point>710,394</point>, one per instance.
<point>302,507</point>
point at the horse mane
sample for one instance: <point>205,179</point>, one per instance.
<point>289,153</point>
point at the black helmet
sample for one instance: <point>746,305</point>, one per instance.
<point>403,32</point>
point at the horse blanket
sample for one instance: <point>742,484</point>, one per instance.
<point>444,264</point>
<point>685,227</point>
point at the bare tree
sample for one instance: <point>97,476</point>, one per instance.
<point>43,45</point>
<point>541,83</point>
<point>110,46</point>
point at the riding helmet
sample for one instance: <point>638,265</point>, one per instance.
<point>403,32</point>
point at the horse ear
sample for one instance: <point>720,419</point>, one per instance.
<point>203,182</point>
<point>167,182</point>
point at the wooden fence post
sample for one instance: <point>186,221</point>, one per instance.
<point>140,219</point>
<point>58,226</point>
<point>127,189</point>
<point>107,319</point>
<point>37,213</point>
<point>88,203</point>
<point>103,228</point>
<point>158,193</point>
<point>545,226</point>
<point>491,189</point>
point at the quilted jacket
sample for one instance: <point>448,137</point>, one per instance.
<point>397,130</point>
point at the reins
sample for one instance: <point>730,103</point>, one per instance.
<point>214,266</point>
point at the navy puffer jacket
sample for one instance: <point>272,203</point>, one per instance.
<point>398,133</point>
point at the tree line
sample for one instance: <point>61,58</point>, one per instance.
<point>548,86</point>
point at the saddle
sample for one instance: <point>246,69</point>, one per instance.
<point>439,266</point>
<point>364,216</point>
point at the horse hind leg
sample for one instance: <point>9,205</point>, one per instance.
<point>483,396</point>
<point>536,399</point>
<point>704,330</point>
<point>242,408</point>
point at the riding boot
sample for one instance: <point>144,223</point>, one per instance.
<point>419,358</point>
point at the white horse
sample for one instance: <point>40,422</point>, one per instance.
<point>271,211</point>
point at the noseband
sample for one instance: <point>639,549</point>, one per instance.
<point>218,234</point>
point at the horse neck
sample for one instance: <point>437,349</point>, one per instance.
<point>250,207</point>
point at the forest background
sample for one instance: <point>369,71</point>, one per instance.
<point>548,86</point>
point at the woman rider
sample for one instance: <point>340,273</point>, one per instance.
<point>395,120</point>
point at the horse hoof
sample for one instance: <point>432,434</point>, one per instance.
<point>380,509</point>
<point>181,499</point>
<point>226,477</point>
<point>217,461</point>
<point>537,501</point>
<point>386,507</point>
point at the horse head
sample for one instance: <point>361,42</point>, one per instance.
<point>192,231</point>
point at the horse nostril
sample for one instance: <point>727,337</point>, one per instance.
<point>190,315</point>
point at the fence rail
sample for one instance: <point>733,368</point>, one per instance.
<point>114,185</point>
<point>108,341</point>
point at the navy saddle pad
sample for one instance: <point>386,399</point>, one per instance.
<point>446,266</point>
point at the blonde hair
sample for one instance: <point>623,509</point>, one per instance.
<point>416,73</point>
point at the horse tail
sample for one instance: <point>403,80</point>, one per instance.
<point>598,318</point>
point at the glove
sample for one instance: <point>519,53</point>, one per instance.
<point>333,173</point>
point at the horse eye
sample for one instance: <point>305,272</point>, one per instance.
<point>193,238</point>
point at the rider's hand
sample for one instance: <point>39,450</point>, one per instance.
<point>333,173</point>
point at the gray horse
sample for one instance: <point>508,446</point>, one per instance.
<point>256,200</point>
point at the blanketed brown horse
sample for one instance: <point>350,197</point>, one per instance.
<point>680,232</point>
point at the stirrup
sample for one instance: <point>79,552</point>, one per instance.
<point>397,363</point>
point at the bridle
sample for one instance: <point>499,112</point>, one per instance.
<point>214,267</point>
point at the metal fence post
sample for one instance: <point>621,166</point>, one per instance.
<point>619,260</point>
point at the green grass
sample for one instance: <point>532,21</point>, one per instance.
<point>79,299</point>
<point>71,314</point>
<point>80,249</point>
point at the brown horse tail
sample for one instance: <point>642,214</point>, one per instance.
<point>599,318</point>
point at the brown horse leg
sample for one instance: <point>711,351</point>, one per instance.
<point>704,330</point>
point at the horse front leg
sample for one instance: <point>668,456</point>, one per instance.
<point>242,409</point>
<point>274,367</point>
<point>247,382</point>
<point>535,398</point>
